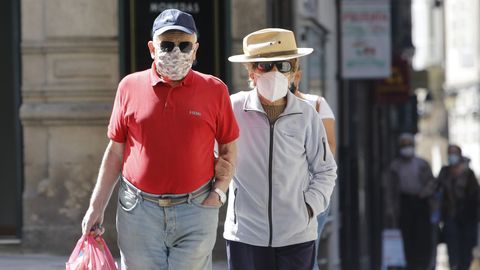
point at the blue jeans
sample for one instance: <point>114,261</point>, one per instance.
<point>174,237</point>
<point>321,220</point>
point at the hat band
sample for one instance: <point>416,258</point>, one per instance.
<point>273,54</point>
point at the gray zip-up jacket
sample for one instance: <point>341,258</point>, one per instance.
<point>281,167</point>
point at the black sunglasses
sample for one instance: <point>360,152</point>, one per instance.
<point>282,66</point>
<point>168,46</point>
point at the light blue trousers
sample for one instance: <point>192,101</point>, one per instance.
<point>321,220</point>
<point>167,238</point>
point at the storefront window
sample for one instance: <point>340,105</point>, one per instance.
<point>313,66</point>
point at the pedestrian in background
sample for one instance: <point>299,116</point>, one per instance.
<point>409,187</point>
<point>460,206</point>
<point>328,120</point>
<point>285,170</point>
<point>162,131</point>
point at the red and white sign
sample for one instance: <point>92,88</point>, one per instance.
<point>366,42</point>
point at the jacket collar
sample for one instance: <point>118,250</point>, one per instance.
<point>252,103</point>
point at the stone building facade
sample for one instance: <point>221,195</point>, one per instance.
<point>69,54</point>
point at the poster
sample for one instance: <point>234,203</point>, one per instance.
<point>366,41</point>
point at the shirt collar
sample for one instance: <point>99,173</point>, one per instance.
<point>155,78</point>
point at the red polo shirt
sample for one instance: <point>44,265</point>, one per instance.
<point>169,133</point>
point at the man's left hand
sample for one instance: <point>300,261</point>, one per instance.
<point>212,200</point>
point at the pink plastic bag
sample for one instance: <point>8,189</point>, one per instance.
<point>91,253</point>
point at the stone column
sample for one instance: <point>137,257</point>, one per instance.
<point>69,76</point>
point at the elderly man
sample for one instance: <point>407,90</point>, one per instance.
<point>409,186</point>
<point>162,131</point>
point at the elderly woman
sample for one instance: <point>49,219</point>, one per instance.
<point>460,206</point>
<point>285,170</point>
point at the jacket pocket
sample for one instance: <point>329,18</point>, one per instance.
<point>127,199</point>
<point>306,210</point>
<point>234,207</point>
<point>199,200</point>
<point>324,149</point>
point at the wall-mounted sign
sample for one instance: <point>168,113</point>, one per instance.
<point>394,89</point>
<point>366,41</point>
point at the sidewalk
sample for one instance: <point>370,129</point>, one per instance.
<point>442,257</point>
<point>30,261</point>
<point>15,261</point>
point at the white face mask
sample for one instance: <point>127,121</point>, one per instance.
<point>174,65</point>
<point>453,159</point>
<point>272,85</point>
<point>407,151</point>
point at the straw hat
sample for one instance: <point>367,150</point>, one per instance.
<point>270,44</point>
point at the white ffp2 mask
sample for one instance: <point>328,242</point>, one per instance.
<point>272,85</point>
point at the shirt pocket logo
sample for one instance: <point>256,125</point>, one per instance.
<point>288,134</point>
<point>195,113</point>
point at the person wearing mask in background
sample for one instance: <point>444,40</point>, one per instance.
<point>409,187</point>
<point>285,170</point>
<point>162,131</point>
<point>328,120</point>
<point>460,206</point>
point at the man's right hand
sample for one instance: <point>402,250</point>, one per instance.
<point>92,222</point>
<point>107,178</point>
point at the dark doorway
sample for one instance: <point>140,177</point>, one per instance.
<point>211,20</point>
<point>280,13</point>
<point>10,156</point>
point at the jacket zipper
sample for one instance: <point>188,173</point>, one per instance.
<point>270,180</point>
<point>270,161</point>
<point>324,149</point>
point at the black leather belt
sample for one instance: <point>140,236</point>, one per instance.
<point>166,200</point>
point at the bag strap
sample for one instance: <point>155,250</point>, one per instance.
<point>318,104</point>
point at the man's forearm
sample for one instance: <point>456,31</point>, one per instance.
<point>107,177</point>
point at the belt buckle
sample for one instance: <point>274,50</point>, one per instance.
<point>164,202</point>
